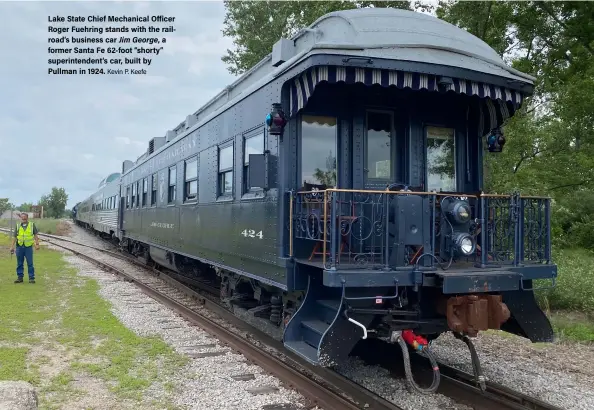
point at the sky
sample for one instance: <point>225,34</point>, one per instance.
<point>72,131</point>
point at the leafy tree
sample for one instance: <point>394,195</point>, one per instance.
<point>327,177</point>
<point>550,143</point>
<point>5,205</point>
<point>25,207</point>
<point>54,204</point>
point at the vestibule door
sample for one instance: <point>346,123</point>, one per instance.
<point>380,154</point>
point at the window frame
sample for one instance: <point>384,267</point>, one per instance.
<point>221,194</point>
<point>245,166</point>
<point>128,196</point>
<point>187,181</point>
<point>425,127</point>
<point>154,188</point>
<point>171,194</point>
<point>138,193</point>
<point>144,191</point>
<point>336,117</point>
<point>133,195</point>
<point>393,149</point>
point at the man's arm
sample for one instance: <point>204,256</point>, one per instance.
<point>35,232</point>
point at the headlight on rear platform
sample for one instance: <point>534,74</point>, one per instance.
<point>459,211</point>
<point>464,243</point>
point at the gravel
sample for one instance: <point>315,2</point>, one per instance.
<point>17,395</point>
<point>560,374</point>
<point>204,383</point>
<point>379,381</point>
<point>557,373</point>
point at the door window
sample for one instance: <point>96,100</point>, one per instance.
<point>318,150</point>
<point>441,159</point>
<point>379,145</point>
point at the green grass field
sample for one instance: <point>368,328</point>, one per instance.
<point>59,331</point>
<point>45,225</point>
<point>571,303</point>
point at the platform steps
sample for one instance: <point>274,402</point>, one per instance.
<point>305,332</point>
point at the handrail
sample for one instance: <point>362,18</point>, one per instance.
<point>325,219</point>
<point>376,191</point>
<point>497,217</point>
<point>291,224</point>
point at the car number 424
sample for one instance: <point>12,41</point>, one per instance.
<point>250,233</point>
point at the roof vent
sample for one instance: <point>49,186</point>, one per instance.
<point>283,50</point>
<point>155,144</point>
<point>126,165</point>
<point>190,121</point>
<point>170,136</point>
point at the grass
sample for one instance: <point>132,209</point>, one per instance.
<point>45,225</point>
<point>59,331</point>
<point>573,326</point>
<point>570,305</point>
<point>575,282</point>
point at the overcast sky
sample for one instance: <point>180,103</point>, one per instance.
<point>71,131</point>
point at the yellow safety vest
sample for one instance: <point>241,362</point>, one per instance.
<point>25,236</point>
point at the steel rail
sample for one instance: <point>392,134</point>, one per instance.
<point>504,396</point>
<point>456,384</point>
<point>330,391</point>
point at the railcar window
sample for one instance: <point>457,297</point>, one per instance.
<point>379,145</point>
<point>318,150</point>
<point>133,194</point>
<point>191,185</point>
<point>144,190</point>
<point>441,159</point>
<point>128,197</point>
<point>172,182</point>
<point>252,145</point>
<point>154,190</point>
<point>138,194</point>
<point>226,170</point>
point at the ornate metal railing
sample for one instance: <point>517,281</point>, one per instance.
<point>396,229</point>
<point>518,229</point>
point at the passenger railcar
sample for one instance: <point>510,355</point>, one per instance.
<point>100,210</point>
<point>335,190</point>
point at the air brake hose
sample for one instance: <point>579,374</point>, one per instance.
<point>408,372</point>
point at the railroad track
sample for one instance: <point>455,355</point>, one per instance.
<point>456,384</point>
<point>321,386</point>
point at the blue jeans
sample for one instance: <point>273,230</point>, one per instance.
<point>23,252</point>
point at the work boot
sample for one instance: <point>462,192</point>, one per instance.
<point>20,280</point>
<point>31,280</point>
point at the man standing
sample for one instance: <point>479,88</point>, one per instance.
<point>24,235</point>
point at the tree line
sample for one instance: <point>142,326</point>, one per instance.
<point>54,204</point>
<point>550,141</point>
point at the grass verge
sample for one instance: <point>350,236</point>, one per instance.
<point>46,225</point>
<point>61,336</point>
<point>570,305</point>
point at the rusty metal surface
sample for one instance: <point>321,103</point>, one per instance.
<point>472,313</point>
